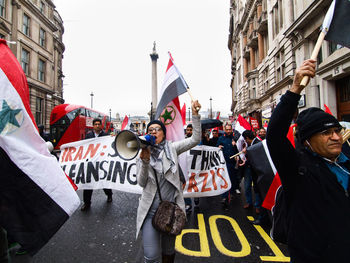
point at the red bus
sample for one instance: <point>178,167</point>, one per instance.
<point>69,123</point>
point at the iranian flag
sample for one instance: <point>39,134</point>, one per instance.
<point>169,110</point>
<point>36,197</point>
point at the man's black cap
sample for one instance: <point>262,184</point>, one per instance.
<point>314,120</point>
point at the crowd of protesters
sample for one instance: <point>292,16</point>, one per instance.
<point>314,175</point>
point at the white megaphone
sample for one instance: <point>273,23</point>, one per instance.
<point>128,144</point>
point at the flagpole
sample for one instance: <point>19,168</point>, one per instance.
<point>325,27</point>
<point>314,55</point>
<point>183,81</point>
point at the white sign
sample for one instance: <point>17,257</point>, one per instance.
<point>94,164</point>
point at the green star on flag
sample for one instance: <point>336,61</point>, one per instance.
<point>8,115</point>
<point>167,115</point>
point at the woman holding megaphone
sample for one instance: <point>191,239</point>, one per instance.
<point>157,171</point>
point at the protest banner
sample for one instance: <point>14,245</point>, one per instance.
<point>94,164</point>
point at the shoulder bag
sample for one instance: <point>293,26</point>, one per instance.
<point>169,217</point>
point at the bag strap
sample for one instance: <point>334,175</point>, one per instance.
<point>158,189</point>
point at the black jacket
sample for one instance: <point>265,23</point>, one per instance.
<point>91,134</point>
<point>318,206</point>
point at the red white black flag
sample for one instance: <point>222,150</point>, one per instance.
<point>35,196</point>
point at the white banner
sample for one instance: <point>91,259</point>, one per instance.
<point>94,164</point>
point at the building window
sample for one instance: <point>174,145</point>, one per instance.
<point>41,70</point>
<point>280,66</point>
<point>39,111</point>
<point>333,47</point>
<point>2,36</point>
<point>26,24</point>
<point>42,7</point>
<point>265,80</point>
<point>239,75</point>
<point>25,61</point>
<point>277,17</point>
<point>42,35</point>
<point>2,8</point>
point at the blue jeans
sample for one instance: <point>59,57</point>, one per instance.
<point>248,179</point>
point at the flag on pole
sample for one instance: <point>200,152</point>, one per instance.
<point>35,196</point>
<point>126,123</point>
<point>337,22</point>
<point>168,109</point>
<point>241,125</point>
<point>173,86</point>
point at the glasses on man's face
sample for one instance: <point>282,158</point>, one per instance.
<point>155,129</point>
<point>329,132</point>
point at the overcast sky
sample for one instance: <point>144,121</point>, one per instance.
<point>108,43</point>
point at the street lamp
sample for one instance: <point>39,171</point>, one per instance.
<point>110,115</point>
<point>92,99</point>
<point>211,109</point>
<point>189,112</point>
<point>151,115</point>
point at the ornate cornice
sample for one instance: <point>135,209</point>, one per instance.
<point>39,15</point>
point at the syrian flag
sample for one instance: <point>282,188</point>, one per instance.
<point>337,22</point>
<point>35,196</point>
<point>168,109</point>
<point>126,123</point>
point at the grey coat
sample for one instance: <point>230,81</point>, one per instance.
<point>146,179</point>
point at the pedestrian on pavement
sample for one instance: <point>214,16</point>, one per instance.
<point>314,176</point>
<point>97,132</point>
<point>161,160</point>
<point>228,145</point>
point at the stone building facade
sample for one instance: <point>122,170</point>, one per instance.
<point>37,29</point>
<point>268,40</point>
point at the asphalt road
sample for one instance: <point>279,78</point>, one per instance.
<point>106,233</point>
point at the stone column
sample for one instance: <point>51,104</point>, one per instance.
<point>154,58</point>
<point>259,10</point>
<point>252,58</point>
<point>14,28</point>
<point>260,47</point>
<point>245,68</point>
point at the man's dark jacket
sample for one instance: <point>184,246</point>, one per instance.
<point>228,149</point>
<point>318,206</point>
<point>91,134</point>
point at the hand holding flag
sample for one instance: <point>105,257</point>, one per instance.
<point>335,27</point>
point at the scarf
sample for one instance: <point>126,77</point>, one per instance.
<point>157,152</point>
